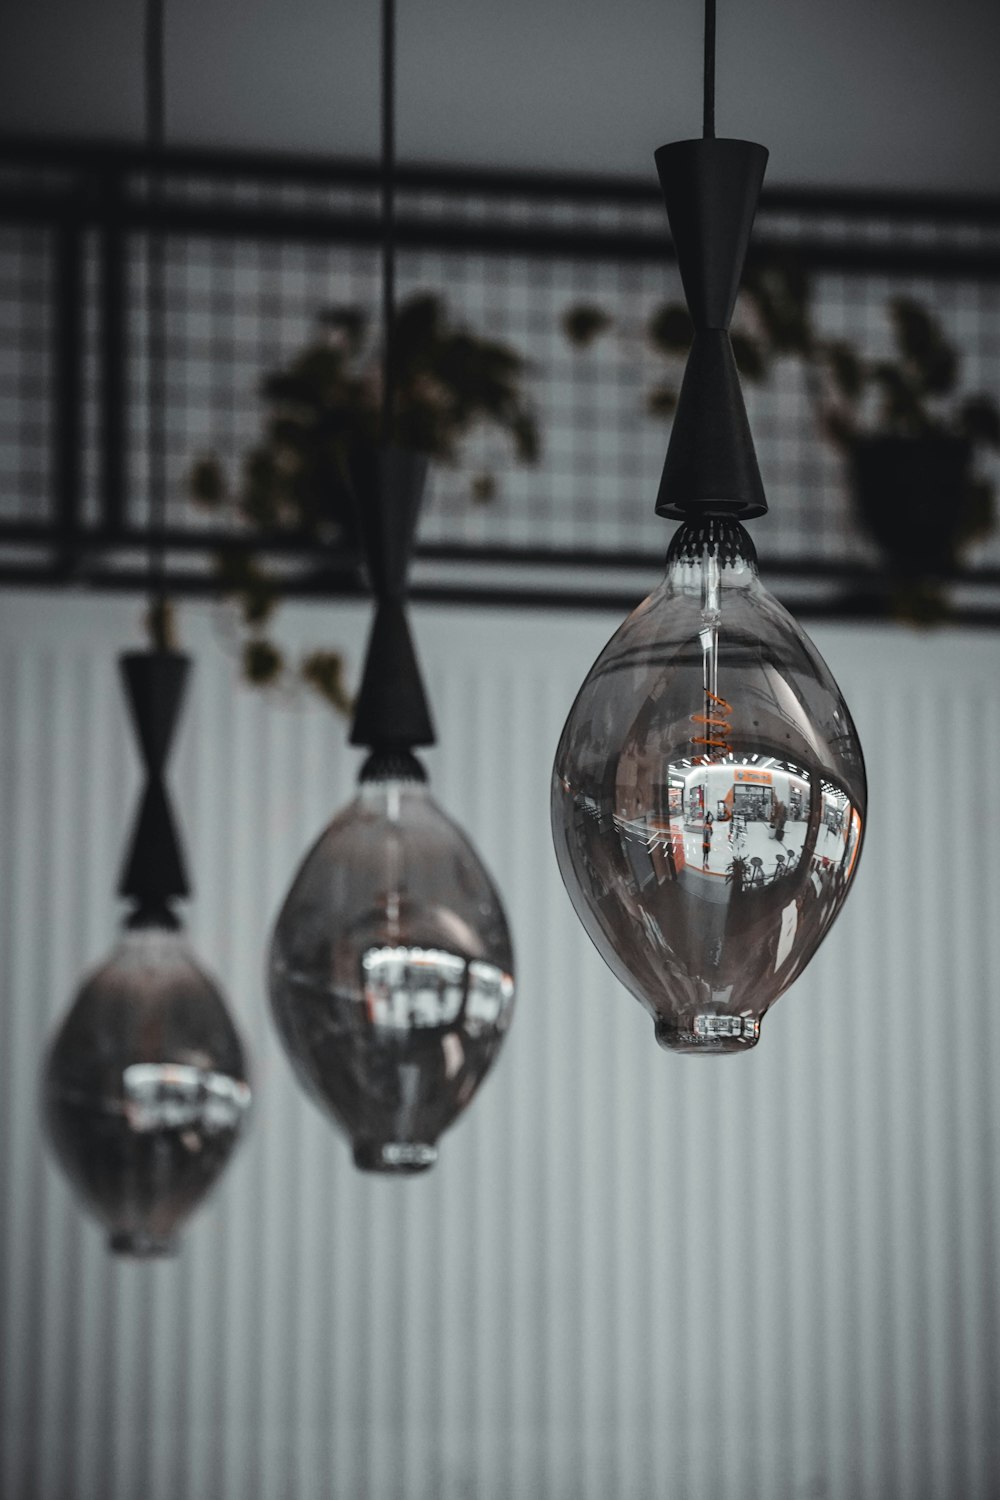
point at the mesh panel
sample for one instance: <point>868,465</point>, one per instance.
<point>241,305</point>
<point>26,395</point>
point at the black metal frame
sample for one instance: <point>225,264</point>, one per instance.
<point>79,189</point>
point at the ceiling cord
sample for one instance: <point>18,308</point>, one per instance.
<point>708,126</point>
<point>388,217</point>
<point>155,113</point>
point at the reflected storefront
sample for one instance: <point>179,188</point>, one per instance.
<point>729,903</point>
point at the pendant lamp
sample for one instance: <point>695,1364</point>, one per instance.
<point>708,794</point>
<point>145,1089</point>
<point>391,970</point>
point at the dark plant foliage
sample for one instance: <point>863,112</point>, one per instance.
<point>320,411</point>
<point>908,397</point>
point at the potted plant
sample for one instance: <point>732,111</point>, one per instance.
<point>772,320</point>
<point>910,442</point>
<point>322,413</point>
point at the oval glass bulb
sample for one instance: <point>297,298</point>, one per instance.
<point>392,974</point>
<point>708,797</point>
<point>145,1090</point>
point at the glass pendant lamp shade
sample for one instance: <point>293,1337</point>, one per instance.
<point>708,797</point>
<point>145,1090</point>
<point>391,972</point>
<point>708,793</point>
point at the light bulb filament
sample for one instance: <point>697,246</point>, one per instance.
<point>716,725</point>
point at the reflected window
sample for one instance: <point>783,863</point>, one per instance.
<point>406,988</point>
<point>173,1096</point>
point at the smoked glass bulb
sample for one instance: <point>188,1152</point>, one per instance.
<point>145,1090</point>
<point>708,797</point>
<point>391,970</point>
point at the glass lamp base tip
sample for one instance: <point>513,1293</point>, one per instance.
<point>709,1034</point>
<point>141,1245</point>
<point>400,1157</point>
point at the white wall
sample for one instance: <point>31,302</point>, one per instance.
<point>630,1275</point>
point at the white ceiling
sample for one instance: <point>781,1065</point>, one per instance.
<point>886,93</point>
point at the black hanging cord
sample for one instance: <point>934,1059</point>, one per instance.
<point>156,317</point>
<point>388,217</point>
<point>708,126</point>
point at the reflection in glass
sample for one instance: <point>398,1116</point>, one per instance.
<point>391,971</point>
<point>145,1090</point>
<point>708,797</point>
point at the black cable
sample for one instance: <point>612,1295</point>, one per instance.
<point>708,126</point>
<point>388,217</point>
<point>156,317</point>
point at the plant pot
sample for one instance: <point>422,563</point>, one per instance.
<point>910,496</point>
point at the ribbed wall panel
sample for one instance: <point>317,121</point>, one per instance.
<point>630,1275</point>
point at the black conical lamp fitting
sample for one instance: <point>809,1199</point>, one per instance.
<point>711,188</point>
<point>391,716</point>
<point>154,873</point>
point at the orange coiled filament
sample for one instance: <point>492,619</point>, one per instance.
<point>714,741</point>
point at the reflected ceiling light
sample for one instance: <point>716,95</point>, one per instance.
<point>391,970</point>
<point>711,919</point>
<point>145,1088</point>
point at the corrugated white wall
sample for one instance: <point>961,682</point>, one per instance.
<point>630,1275</point>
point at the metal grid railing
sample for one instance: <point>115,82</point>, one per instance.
<point>255,251</point>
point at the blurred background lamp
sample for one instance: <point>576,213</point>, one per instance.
<point>145,1086</point>
<point>391,969</point>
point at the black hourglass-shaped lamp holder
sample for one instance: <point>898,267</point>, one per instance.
<point>391,716</point>
<point>154,874</point>
<point>711,188</point>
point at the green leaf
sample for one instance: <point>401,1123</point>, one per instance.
<point>979,420</point>
<point>978,512</point>
<point>919,601</point>
<point>262,662</point>
<point>662,401</point>
<point>524,430</point>
<point>350,323</point>
<point>838,429</point>
<point>847,372</point>
<point>324,672</point>
<point>931,360</point>
<point>901,412</point>
<point>161,624</point>
<point>750,357</point>
<point>583,323</point>
<point>418,329</point>
<point>207,483</point>
<point>778,291</point>
<point>258,595</point>
<point>670,329</point>
<point>242,578</point>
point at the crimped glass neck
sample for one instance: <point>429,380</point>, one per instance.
<point>154,917</point>
<point>141,1244</point>
<point>152,938</point>
<point>718,537</point>
<point>393,764</point>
